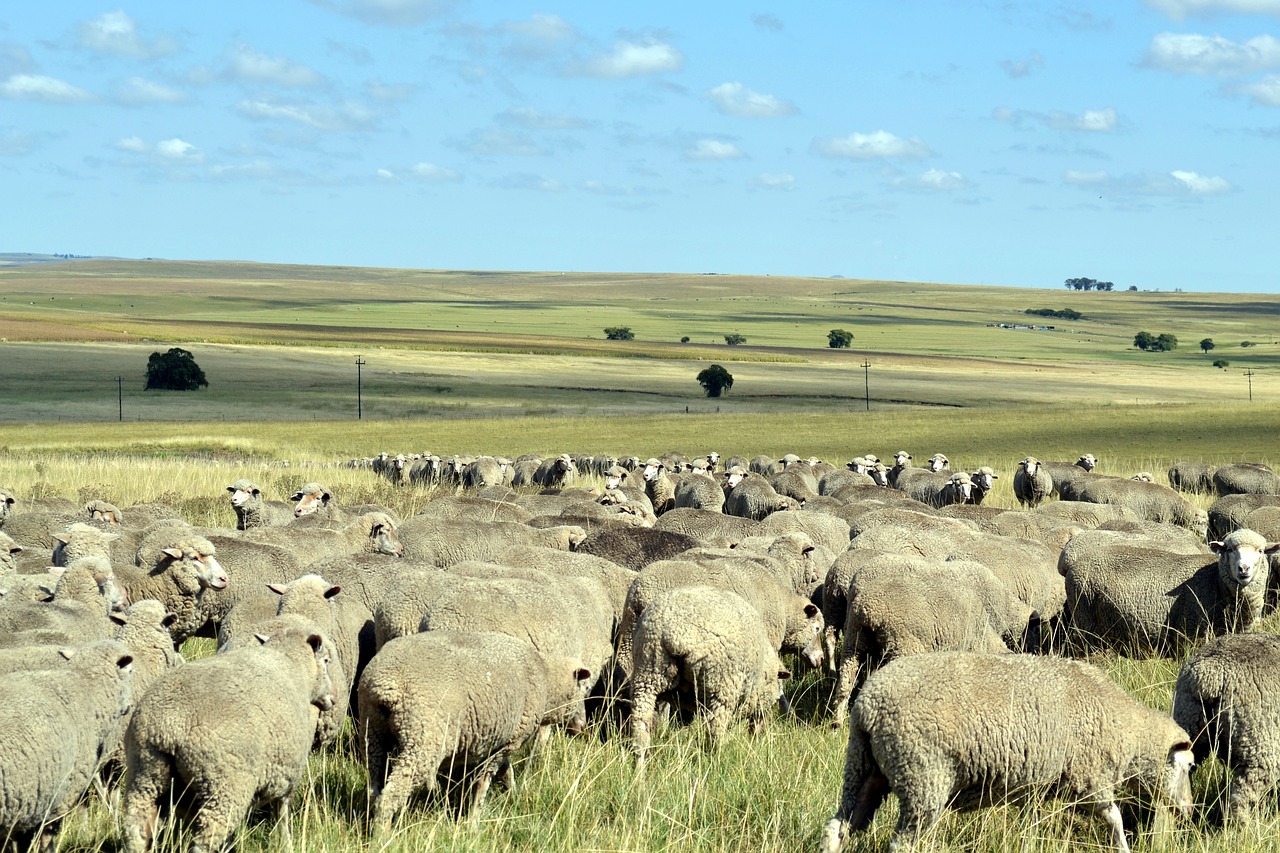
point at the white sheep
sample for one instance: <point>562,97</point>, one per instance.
<point>962,729</point>
<point>1032,483</point>
<point>712,645</point>
<point>252,510</point>
<point>228,730</point>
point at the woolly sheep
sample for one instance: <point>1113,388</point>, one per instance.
<point>1225,698</point>
<point>1246,478</point>
<point>227,730</point>
<point>1229,512</point>
<point>558,473</point>
<point>471,508</point>
<point>1151,501</point>
<point>636,547</point>
<point>829,531</point>
<point>252,510</point>
<point>900,605</point>
<point>698,491</point>
<point>177,569</point>
<point>313,499</point>
<point>78,610</point>
<point>1192,476</point>
<point>658,487</point>
<point>56,723</point>
<point>485,471</point>
<point>614,579</point>
<point>6,505</point>
<point>1144,599</point>
<point>453,698</point>
<point>707,526</point>
<point>753,497</point>
<point>444,542</point>
<point>796,483</point>
<point>959,728</point>
<point>710,643</point>
<point>837,480</point>
<point>1066,475</point>
<point>983,479</point>
<point>373,532</point>
<point>1032,483</point>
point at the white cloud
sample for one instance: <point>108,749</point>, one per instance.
<point>877,145</point>
<point>1191,53</point>
<point>432,173</point>
<point>1086,179</point>
<point>934,180</point>
<point>1180,9</point>
<point>633,59</point>
<point>132,144</point>
<point>138,90</point>
<point>388,92</point>
<point>177,149</point>
<point>386,174</point>
<point>782,181</point>
<point>15,143</point>
<point>347,116</point>
<point>1198,184</point>
<point>538,120</point>
<point>1090,121</point>
<point>1265,92</point>
<point>36,87</point>
<point>116,33</point>
<point>736,99</point>
<point>713,149</point>
<point>249,65</point>
<point>541,36</point>
<point>393,13</point>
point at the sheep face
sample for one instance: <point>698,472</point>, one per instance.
<point>1242,558</point>
<point>1030,465</point>
<point>984,478</point>
<point>310,498</point>
<point>735,476</point>
<point>1088,462</point>
<point>242,493</point>
<point>1173,779</point>
<point>614,478</point>
<point>652,470</point>
<point>385,540</point>
<point>195,567</point>
<point>901,458</point>
<point>806,638</point>
<point>938,462</point>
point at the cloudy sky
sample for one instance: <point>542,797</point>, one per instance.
<point>1010,143</point>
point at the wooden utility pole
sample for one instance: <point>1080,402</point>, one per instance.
<point>360,362</point>
<point>866,375</point>
<point>1249,375</point>
<point>120,395</point>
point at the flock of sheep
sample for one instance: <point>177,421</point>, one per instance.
<point>558,592</point>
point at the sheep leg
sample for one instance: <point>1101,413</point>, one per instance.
<point>829,644</point>
<point>484,778</point>
<point>1110,813</point>
<point>642,711</point>
<point>149,775</point>
<point>1247,787</point>
<point>846,679</point>
<point>918,811</point>
<point>226,802</point>
<point>416,768</point>
<point>719,716</point>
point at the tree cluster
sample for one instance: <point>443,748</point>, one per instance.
<point>1148,342</point>
<point>175,370</point>
<point>733,340</point>
<point>1087,284</point>
<point>1060,313</point>
<point>619,333</point>
<point>839,339</point>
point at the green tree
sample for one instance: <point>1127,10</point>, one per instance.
<point>1144,340</point>
<point>839,339</point>
<point>619,333</point>
<point>1165,342</point>
<point>1207,344</point>
<point>715,380</point>
<point>1221,362</point>
<point>175,370</point>
<point>733,340</point>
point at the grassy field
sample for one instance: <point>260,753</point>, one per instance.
<point>467,362</point>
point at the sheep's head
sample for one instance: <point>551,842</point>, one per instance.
<point>984,478</point>
<point>312,497</point>
<point>879,474</point>
<point>81,540</point>
<point>1088,462</point>
<point>1030,465</point>
<point>652,470</point>
<point>901,458</point>
<point>243,492</point>
<point>962,485</point>
<point>101,512</point>
<point>1242,558</point>
<point>382,536</point>
<point>937,462</point>
<point>614,477</point>
<point>857,464</point>
<point>194,565</point>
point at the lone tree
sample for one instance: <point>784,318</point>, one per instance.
<point>175,370</point>
<point>839,339</point>
<point>619,333</point>
<point>715,380</point>
<point>734,339</point>
<point>1221,362</point>
<point>1207,344</point>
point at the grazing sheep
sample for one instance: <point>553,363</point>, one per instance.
<point>658,487</point>
<point>1192,476</point>
<point>485,471</point>
<point>443,542</point>
<point>252,511</point>
<point>1150,501</point>
<point>963,729</point>
<point>795,482</point>
<point>472,508</point>
<point>1065,475</point>
<point>8,556</point>
<point>453,700</point>
<point>315,499</point>
<point>636,547</point>
<point>1032,484</point>
<point>708,526</point>
<point>1229,512</point>
<point>176,568</point>
<point>900,606</point>
<point>698,491</point>
<point>613,578</point>
<point>1145,599</point>
<point>56,724</point>
<point>1226,700</point>
<point>1084,513</point>
<point>710,645</point>
<point>1246,478</point>
<point>373,532</point>
<point>228,731</point>
<point>837,480</point>
<point>79,609</point>
<point>752,497</point>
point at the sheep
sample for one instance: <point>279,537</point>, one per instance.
<point>78,610</point>
<point>471,508</point>
<point>1032,483</point>
<point>1145,599</point>
<point>709,643</point>
<point>1151,501</point>
<point>752,497</point>
<point>658,487</point>
<point>698,491</point>
<point>373,532</point>
<point>1228,512</point>
<point>1225,698</point>
<point>558,473</point>
<point>34,528</point>
<point>56,723</point>
<point>983,479</point>
<point>1084,513</point>
<point>316,499</point>
<point>708,526</point>
<point>7,501</point>
<point>963,728</point>
<point>446,699</point>
<point>484,471</point>
<point>795,483</point>
<point>1246,478</point>
<point>615,580</point>
<point>837,480</point>
<point>1191,476</point>
<point>252,511</point>
<point>103,513</point>
<point>1066,475</point>
<point>636,547</point>
<point>829,531</point>
<point>900,605</point>
<point>177,568</point>
<point>443,542</point>
<point>228,730</point>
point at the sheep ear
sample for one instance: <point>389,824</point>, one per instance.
<point>57,571</point>
<point>783,674</point>
<point>123,661</point>
<point>261,638</point>
<point>1216,546</point>
<point>173,553</point>
<point>332,591</point>
<point>15,549</point>
<point>118,619</point>
<point>67,653</point>
<point>581,674</point>
<point>316,642</point>
<point>1271,548</point>
<point>231,489</point>
<point>810,610</point>
<point>61,537</point>
<point>808,549</point>
<point>296,496</point>
<point>168,620</point>
<point>278,588</point>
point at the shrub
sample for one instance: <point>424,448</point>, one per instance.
<point>734,339</point>
<point>1221,362</point>
<point>619,333</point>
<point>839,339</point>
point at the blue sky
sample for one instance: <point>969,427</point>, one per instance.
<point>1007,143</point>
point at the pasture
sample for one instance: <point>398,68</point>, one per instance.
<point>464,362</point>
